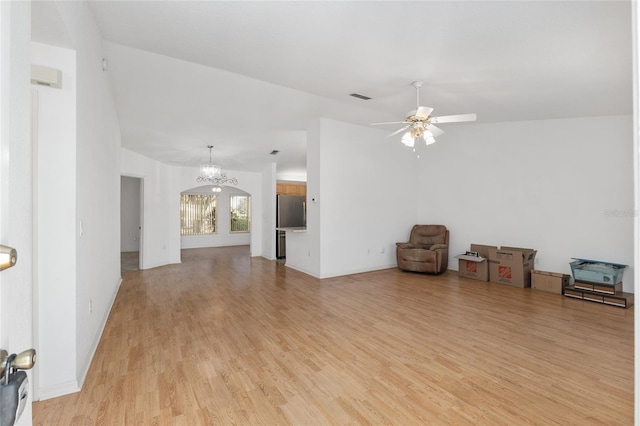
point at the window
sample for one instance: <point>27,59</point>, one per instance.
<point>240,208</point>
<point>198,214</point>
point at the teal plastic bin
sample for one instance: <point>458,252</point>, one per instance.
<point>597,271</point>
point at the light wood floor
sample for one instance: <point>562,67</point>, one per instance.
<point>129,261</point>
<point>227,339</point>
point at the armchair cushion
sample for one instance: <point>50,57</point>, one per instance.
<point>405,245</point>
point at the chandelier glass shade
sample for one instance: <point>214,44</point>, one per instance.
<point>415,133</point>
<point>210,170</point>
<point>212,174</point>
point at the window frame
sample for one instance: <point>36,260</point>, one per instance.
<point>231,213</point>
<point>201,208</point>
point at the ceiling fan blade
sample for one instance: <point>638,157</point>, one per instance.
<point>400,130</point>
<point>454,118</point>
<point>435,131</point>
<point>423,112</point>
<point>388,122</point>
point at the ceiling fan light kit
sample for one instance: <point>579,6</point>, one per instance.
<point>211,173</point>
<point>419,123</point>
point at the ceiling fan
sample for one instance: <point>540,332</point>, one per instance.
<point>420,124</point>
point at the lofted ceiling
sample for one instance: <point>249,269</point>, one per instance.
<point>249,76</point>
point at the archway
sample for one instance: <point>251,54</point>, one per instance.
<point>224,210</point>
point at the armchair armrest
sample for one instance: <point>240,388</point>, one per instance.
<point>405,245</point>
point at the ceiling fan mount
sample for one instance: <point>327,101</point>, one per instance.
<point>419,122</point>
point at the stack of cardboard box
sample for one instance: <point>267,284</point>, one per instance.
<point>505,265</point>
<point>598,281</point>
<point>595,281</point>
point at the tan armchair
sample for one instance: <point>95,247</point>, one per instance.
<point>427,250</point>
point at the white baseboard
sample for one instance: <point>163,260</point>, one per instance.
<point>59,390</point>
<point>349,272</point>
<point>96,341</point>
<point>304,271</point>
<point>358,271</point>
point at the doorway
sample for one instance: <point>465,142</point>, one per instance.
<point>130,223</point>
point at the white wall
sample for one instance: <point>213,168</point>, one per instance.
<point>77,188</point>
<point>160,243</point>
<point>303,249</point>
<point>269,211</point>
<point>16,225</point>
<point>563,187</point>
<point>55,212</point>
<point>368,198</point>
<point>97,190</point>
<point>129,214</point>
<point>365,201</point>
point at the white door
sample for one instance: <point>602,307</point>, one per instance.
<point>16,223</point>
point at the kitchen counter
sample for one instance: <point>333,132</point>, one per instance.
<point>293,229</point>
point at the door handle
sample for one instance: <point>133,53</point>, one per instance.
<point>8,257</point>
<point>14,386</point>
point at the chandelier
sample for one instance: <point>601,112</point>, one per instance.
<point>211,173</point>
<point>417,132</point>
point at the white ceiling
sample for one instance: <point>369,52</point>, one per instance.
<point>247,77</point>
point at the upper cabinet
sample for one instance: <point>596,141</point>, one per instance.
<point>291,188</point>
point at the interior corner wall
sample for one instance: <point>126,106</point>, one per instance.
<point>98,191</point>
<point>367,199</point>
<point>269,211</point>
<point>160,243</point>
<point>563,187</point>
<point>303,249</point>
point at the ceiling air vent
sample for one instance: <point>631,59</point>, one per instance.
<point>359,96</point>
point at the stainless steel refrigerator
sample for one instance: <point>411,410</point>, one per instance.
<point>290,213</point>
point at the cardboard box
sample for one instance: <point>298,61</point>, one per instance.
<point>475,267</point>
<point>552,282</point>
<point>511,266</point>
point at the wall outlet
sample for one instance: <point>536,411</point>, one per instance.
<point>382,250</point>
<point>90,306</point>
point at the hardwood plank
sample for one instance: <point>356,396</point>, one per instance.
<point>224,338</point>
